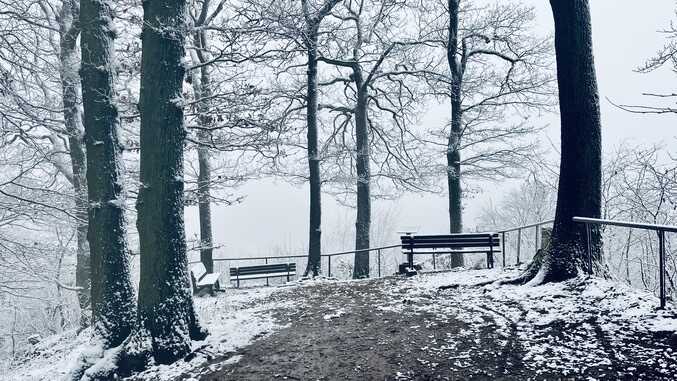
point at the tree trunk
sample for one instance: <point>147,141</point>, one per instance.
<point>203,92</point>
<point>112,292</point>
<point>204,201</point>
<point>579,192</point>
<point>165,309</point>
<point>363,222</point>
<point>315,222</point>
<point>454,142</point>
<point>69,30</point>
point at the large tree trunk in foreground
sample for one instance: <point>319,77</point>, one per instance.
<point>112,292</point>
<point>166,315</point>
<point>69,25</point>
<point>454,142</point>
<point>363,221</point>
<point>579,192</point>
<point>315,222</point>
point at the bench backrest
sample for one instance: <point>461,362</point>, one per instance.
<point>263,269</point>
<point>198,270</point>
<point>450,241</point>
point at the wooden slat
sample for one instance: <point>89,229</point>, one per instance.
<point>444,252</point>
<point>425,245</point>
<point>263,269</point>
<point>449,236</point>
<point>483,241</point>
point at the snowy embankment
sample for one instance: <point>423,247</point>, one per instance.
<point>582,328</point>
<point>234,318</point>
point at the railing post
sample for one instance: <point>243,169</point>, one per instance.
<point>329,265</point>
<point>519,245</point>
<point>589,242</point>
<point>267,285</point>
<point>434,262</point>
<point>503,248</point>
<point>661,266</point>
<point>536,239</point>
<point>379,263</point>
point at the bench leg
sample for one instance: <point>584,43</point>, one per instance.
<point>490,260</point>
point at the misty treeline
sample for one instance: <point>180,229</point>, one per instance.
<point>114,116</point>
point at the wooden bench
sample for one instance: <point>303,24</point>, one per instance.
<point>451,244</point>
<point>262,271</point>
<point>202,280</point>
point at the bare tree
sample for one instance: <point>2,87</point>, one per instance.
<point>579,191</point>
<point>42,105</point>
<point>166,316</point>
<point>373,63</point>
<point>495,64</point>
<point>113,302</point>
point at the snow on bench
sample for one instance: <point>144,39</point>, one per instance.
<point>202,280</point>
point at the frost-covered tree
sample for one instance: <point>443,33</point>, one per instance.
<point>166,317</point>
<point>113,307</point>
<point>580,174</point>
<point>496,63</point>
<point>313,18</point>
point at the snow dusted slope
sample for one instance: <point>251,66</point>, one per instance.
<point>234,319</point>
<point>563,328</point>
<point>407,328</point>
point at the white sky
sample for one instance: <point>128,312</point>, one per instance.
<point>275,214</point>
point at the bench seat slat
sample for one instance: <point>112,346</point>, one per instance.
<point>208,280</point>
<point>447,245</point>
<point>262,269</point>
<point>479,239</point>
<point>448,236</point>
<point>266,275</point>
<point>453,252</point>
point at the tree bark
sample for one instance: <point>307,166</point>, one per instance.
<point>165,308</point>
<point>112,292</point>
<point>579,192</point>
<point>204,201</point>
<point>363,221</point>
<point>203,92</point>
<point>69,30</point>
<point>454,141</point>
<point>315,221</point>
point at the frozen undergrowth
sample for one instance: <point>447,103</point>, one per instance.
<point>234,319</point>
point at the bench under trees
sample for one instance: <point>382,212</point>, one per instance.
<point>452,244</point>
<point>204,281</point>
<point>276,270</point>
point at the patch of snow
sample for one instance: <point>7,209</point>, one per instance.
<point>234,319</point>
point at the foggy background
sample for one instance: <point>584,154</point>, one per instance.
<point>273,217</point>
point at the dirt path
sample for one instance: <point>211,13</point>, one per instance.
<point>355,331</point>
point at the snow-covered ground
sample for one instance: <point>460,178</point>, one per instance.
<point>234,318</point>
<point>556,328</point>
<point>561,325</point>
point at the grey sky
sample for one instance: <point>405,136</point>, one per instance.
<point>275,214</point>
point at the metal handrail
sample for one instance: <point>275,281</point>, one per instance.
<point>526,226</point>
<point>519,229</point>
<point>328,256</point>
<point>304,255</point>
<point>660,229</point>
<point>627,224</point>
